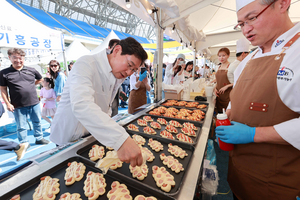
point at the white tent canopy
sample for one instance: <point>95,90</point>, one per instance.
<point>20,31</point>
<point>105,43</point>
<point>73,52</point>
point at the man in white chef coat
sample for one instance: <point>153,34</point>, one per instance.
<point>86,101</point>
<point>265,106</point>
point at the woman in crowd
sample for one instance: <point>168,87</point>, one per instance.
<point>224,86</point>
<point>59,78</point>
<point>174,71</point>
<point>139,84</point>
<point>187,73</point>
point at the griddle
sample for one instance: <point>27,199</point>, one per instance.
<point>149,180</point>
<point>200,102</point>
<point>27,189</point>
<point>157,135</point>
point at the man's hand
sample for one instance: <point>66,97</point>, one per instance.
<point>10,107</point>
<point>237,133</point>
<point>130,152</point>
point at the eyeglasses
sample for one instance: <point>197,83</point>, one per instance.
<point>130,67</point>
<point>53,65</point>
<point>250,21</point>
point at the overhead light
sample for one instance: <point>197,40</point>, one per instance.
<point>128,3</point>
<point>181,42</point>
<point>173,29</point>
<point>190,44</point>
<point>186,45</point>
<point>150,11</point>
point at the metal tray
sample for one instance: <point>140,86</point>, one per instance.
<point>27,189</point>
<point>149,181</point>
<point>200,102</point>
<point>154,117</point>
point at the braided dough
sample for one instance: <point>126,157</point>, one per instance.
<point>190,125</point>
<point>171,129</point>
<point>148,119</point>
<point>163,178</point>
<point>162,121</point>
<point>155,145</point>
<point>139,172</point>
<point>119,191</point>
<point>177,151</point>
<point>155,125</point>
<point>142,197</point>
<point>47,189</point>
<point>138,139</point>
<point>94,185</point>
<point>166,134</point>
<point>172,163</point>
<point>184,138</point>
<point>133,127</point>
<point>74,172</point>
<point>68,196</point>
<point>149,130</point>
<point>96,152</point>
<point>141,122</point>
<point>150,156</point>
<point>16,197</point>
<point>188,131</point>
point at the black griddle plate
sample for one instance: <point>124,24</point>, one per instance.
<point>157,135</point>
<point>200,103</point>
<point>149,181</point>
<point>27,190</point>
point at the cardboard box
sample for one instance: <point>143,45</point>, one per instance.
<point>172,94</point>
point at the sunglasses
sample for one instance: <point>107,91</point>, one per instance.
<point>53,65</point>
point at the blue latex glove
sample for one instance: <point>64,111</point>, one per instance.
<point>298,198</point>
<point>143,76</point>
<point>237,133</point>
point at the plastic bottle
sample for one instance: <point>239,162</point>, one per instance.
<point>222,120</point>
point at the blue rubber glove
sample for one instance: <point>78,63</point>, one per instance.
<point>237,133</point>
<point>143,76</point>
<point>298,198</point>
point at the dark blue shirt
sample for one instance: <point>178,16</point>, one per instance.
<point>21,85</point>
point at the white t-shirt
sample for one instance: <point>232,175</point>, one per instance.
<point>133,81</point>
<point>231,69</point>
<point>288,83</point>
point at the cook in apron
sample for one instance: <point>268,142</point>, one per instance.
<point>223,99</point>
<point>261,171</point>
<point>137,98</point>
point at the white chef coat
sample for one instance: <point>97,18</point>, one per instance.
<point>230,72</point>
<point>288,82</point>
<point>86,103</point>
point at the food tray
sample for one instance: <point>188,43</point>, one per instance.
<point>149,181</point>
<point>200,102</point>
<point>157,135</point>
<point>27,189</point>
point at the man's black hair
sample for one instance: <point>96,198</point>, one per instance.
<point>239,54</point>
<point>112,42</point>
<point>132,47</point>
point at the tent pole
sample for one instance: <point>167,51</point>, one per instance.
<point>194,64</point>
<point>160,51</point>
<point>65,61</point>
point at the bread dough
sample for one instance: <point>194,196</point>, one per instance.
<point>163,178</point>
<point>139,139</point>
<point>155,125</point>
<point>176,151</point>
<point>154,112</point>
<point>94,185</point>
<point>47,189</point>
<point>184,138</point>
<point>166,134</point>
<point>179,116</point>
<point>74,172</point>
<point>172,163</point>
<point>188,131</point>
<point>68,196</point>
<point>175,123</point>
<point>155,145</point>
<point>118,191</point>
<point>193,118</point>
<point>96,152</point>
<point>139,172</point>
<point>162,121</point>
<point>16,197</point>
<point>190,125</point>
<point>149,130</point>
<point>133,127</point>
<point>150,156</point>
<point>109,148</point>
<point>202,106</point>
<point>171,129</point>
<point>141,122</point>
<point>142,197</point>
<point>168,115</point>
<point>117,164</point>
<point>148,119</point>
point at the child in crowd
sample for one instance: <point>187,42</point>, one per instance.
<point>48,95</point>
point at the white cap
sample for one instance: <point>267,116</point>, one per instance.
<point>222,116</point>
<point>242,45</point>
<point>241,3</point>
